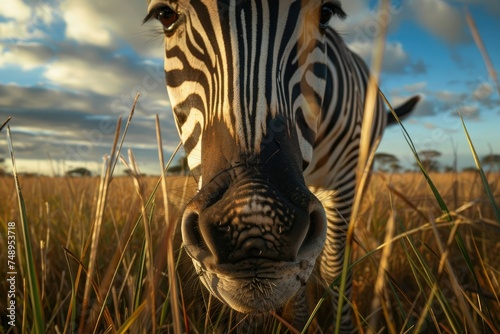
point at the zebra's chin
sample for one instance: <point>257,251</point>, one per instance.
<point>255,285</point>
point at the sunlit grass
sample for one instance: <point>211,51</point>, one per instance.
<point>104,255</point>
<point>427,280</point>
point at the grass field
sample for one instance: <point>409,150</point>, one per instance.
<point>104,255</point>
<point>441,276</point>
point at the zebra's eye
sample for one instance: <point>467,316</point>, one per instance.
<point>328,10</point>
<point>167,17</point>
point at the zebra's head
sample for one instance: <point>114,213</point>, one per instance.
<point>246,80</point>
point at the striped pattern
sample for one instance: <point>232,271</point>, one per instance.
<point>336,150</point>
<point>213,78</point>
<point>249,79</point>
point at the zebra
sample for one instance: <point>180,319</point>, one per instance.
<point>268,103</point>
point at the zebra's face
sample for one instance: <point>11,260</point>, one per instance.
<point>246,80</point>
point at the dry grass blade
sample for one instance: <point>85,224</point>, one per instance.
<point>447,216</point>
<point>148,242</point>
<point>25,306</point>
<point>378,300</point>
<point>131,319</point>
<point>175,300</point>
<point>93,243</point>
<point>289,326</point>
<point>480,45</point>
<point>71,315</point>
<point>486,185</point>
<point>68,254</point>
<point>115,153</point>
<point>5,123</point>
<point>481,314</point>
<point>31,272</point>
<point>364,149</point>
<point>444,262</point>
<point>494,290</point>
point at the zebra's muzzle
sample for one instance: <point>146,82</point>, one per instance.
<point>251,232</point>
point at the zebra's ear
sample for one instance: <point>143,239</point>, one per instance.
<point>403,110</point>
<point>330,9</point>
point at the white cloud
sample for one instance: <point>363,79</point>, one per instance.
<point>483,91</point>
<point>44,13</point>
<point>79,74</point>
<point>41,98</point>
<point>93,69</point>
<point>76,126</point>
<point>85,23</point>
<point>363,23</point>
<point>415,87</point>
<point>449,98</point>
<point>396,60</point>
<point>425,107</point>
<point>468,111</point>
<point>15,9</point>
<point>12,29</point>
<point>439,18</point>
<point>395,57</point>
<point>99,23</point>
<point>27,56</point>
<point>23,22</point>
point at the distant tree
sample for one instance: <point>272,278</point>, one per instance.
<point>181,168</point>
<point>385,162</point>
<point>80,171</point>
<point>448,169</point>
<point>28,174</point>
<point>396,167</point>
<point>491,160</point>
<point>469,169</point>
<point>428,159</point>
<point>129,172</point>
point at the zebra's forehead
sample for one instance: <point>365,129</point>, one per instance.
<point>226,3</point>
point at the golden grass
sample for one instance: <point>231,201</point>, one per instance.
<point>61,212</point>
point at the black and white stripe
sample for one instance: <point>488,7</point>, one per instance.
<point>242,73</point>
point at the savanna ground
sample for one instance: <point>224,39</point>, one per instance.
<point>103,256</point>
<point>442,270</point>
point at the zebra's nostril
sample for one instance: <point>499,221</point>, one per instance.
<point>191,233</point>
<point>316,233</point>
<point>255,252</point>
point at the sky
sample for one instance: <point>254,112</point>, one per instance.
<point>70,68</point>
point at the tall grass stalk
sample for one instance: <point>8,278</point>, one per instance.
<point>454,284</point>
<point>5,123</point>
<point>486,185</point>
<point>148,243</point>
<point>480,45</point>
<point>380,298</point>
<point>93,242</point>
<point>458,238</point>
<point>28,260</point>
<point>71,315</point>
<point>106,178</point>
<point>171,224</point>
<point>365,141</point>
